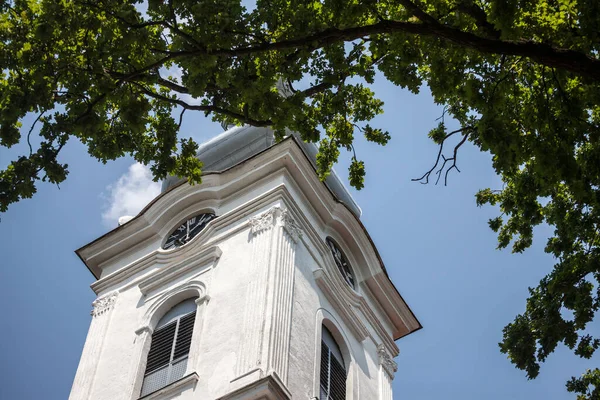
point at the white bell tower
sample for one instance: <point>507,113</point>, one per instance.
<point>259,283</point>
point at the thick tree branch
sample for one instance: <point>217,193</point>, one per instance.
<point>570,60</point>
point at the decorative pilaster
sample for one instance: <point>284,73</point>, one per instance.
<point>387,369</point>
<point>268,314</point>
<point>84,378</point>
<point>250,346</point>
<point>281,280</point>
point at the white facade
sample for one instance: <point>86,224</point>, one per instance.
<point>265,283</point>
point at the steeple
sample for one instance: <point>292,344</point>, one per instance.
<point>259,283</point>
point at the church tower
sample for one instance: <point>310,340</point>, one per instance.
<point>259,283</point>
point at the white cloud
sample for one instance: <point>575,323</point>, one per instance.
<point>132,192</point>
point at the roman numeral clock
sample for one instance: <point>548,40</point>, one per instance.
<point>188,230</point>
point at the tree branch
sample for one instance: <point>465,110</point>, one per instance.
<point>480,17</point>
<point>204,108</point>
<point>31,130</point>
<point>570,60</point>
<point>425,178</point>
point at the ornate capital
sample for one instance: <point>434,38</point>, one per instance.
<point>290,225</point>
<point>103,304</point>
<point>386,361</point>
<point>263,221</point>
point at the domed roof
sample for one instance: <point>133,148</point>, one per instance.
<point>239,143</point>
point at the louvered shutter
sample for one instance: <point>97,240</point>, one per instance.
<point>337,380</point>
<point>184,335</point>
<point>161,347</point>
<point>333,376</point>
<point>324,371</point>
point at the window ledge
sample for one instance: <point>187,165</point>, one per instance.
<point>172,388</point>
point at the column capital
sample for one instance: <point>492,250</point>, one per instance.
<point>264,221</point>
<point>290,225</point>
<point>103,304</point>
<point>386,361</point>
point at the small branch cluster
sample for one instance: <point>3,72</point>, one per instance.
<point>465,131</point>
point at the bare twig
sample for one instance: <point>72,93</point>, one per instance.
<point>440,156</point>
<point>454,159</point>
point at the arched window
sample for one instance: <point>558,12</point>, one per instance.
<point>170,347</point>
<point>333,372</point>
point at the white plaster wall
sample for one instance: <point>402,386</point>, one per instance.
<point>114,374</point>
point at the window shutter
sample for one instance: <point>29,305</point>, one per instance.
<point>161,347</point>
<point>168,355</point>
<point>333,376</point>
<point>337,380</point>
<point>184,335</point>
<point>324,370</point>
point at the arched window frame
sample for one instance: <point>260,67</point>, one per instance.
<point>327,319</point>
<point>159,307</point>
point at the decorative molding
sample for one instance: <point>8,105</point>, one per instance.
<point>290,225</point>
<point>389,365</point>
<point>103,304</point>
<point>378,327</point>
<point>350,304</point>
<point>158,306</point>
<point>345,310</point>
<point>170,273</point>
<point>263,221</point>
<point>171,297</point>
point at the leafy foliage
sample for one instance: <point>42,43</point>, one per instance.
<point>521,77</point>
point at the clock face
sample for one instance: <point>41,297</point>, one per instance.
<point>186,231</point>
<point>342,262</point>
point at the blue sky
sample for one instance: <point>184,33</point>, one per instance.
<point>434,241</point>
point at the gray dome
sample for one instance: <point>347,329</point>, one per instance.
<point>237,144</point>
